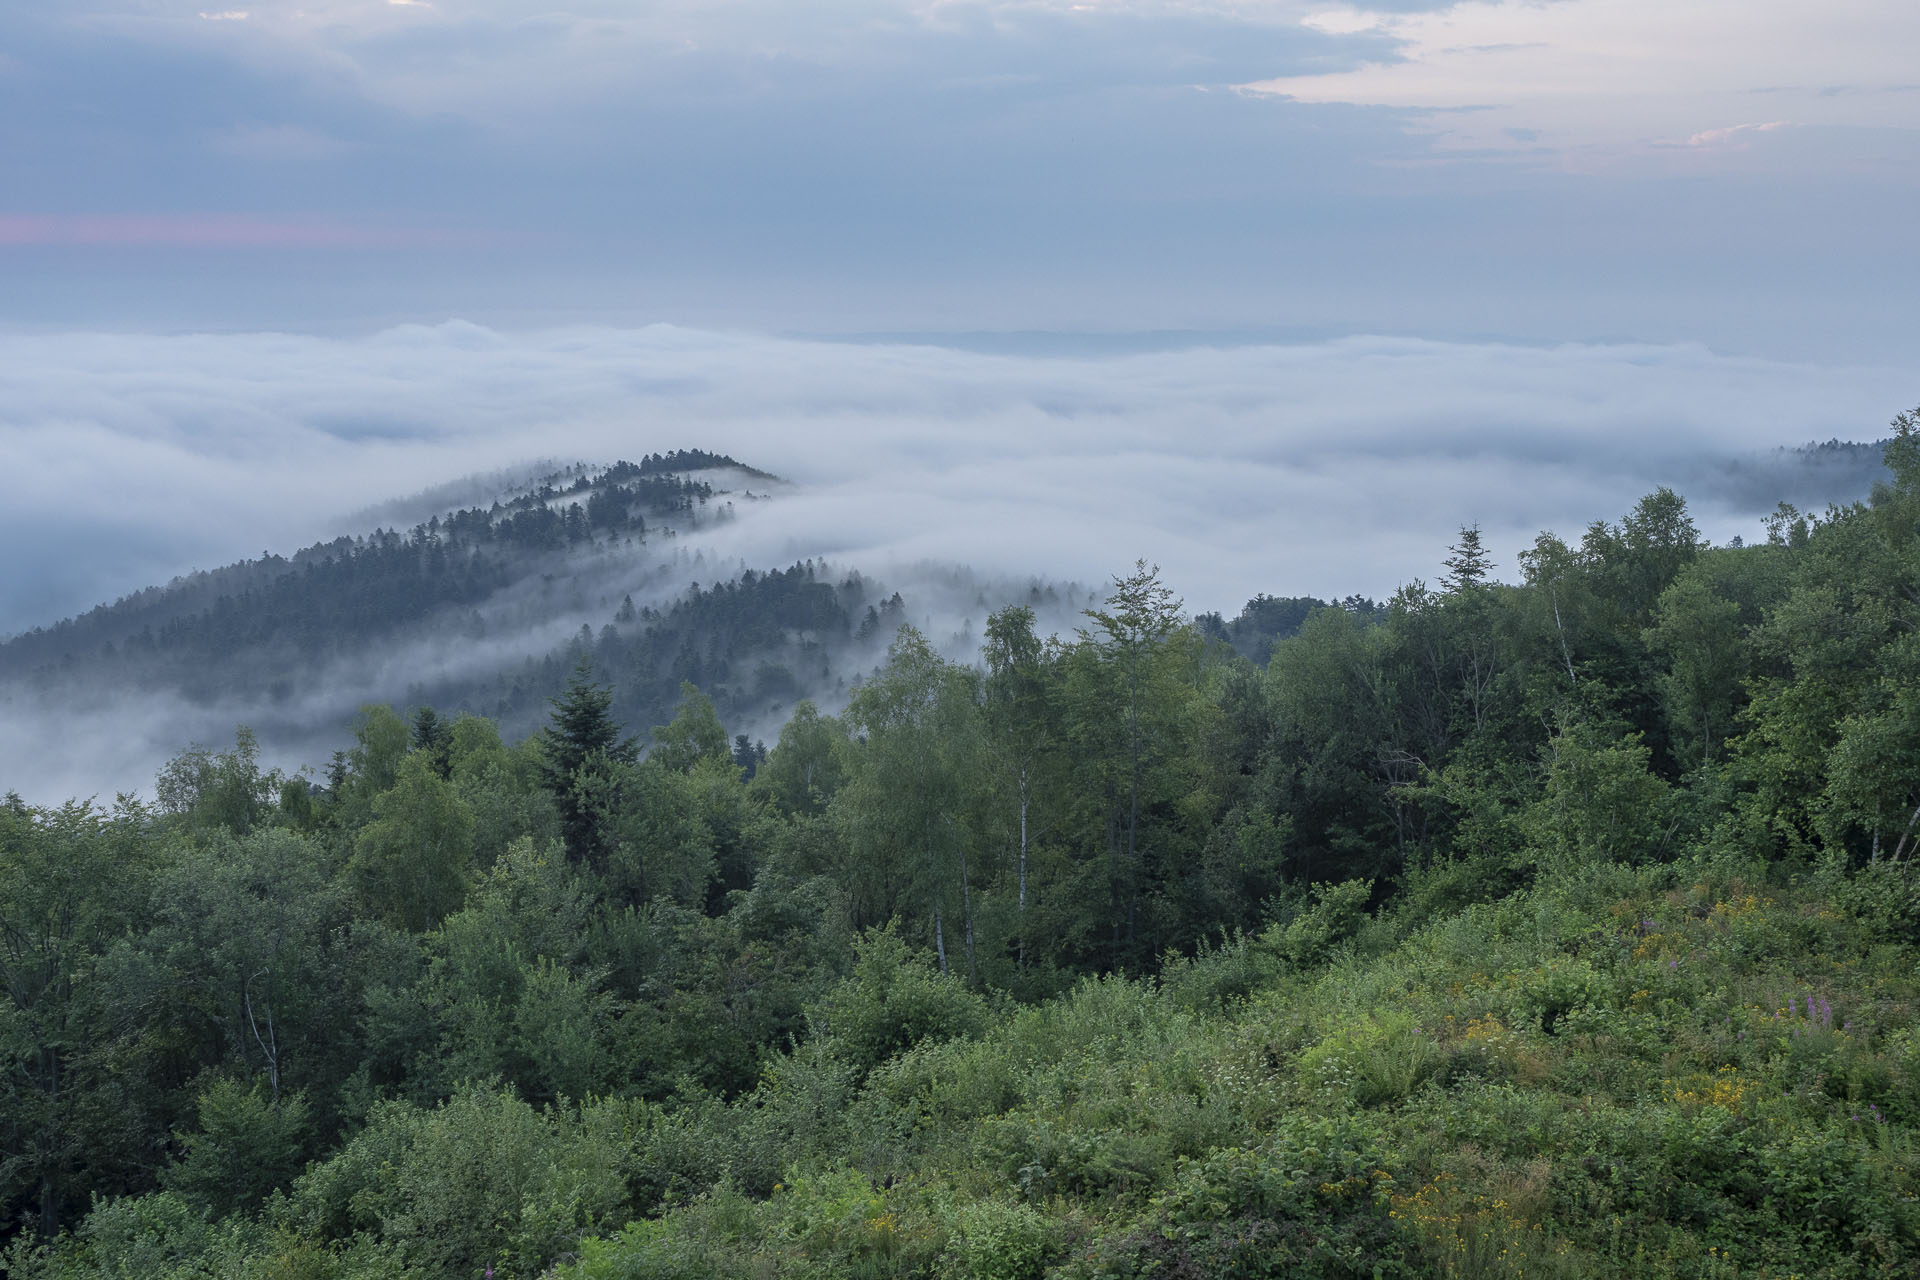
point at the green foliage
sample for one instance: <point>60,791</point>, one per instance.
<point>71,881</point>
<point>576,749</point>
<point>1312,1201</point>
<point>381,740</point>
<point>1372,1064</point>
<point>892,1001</point>
<point>1336,915</point>
<point>695,734</point>
<point>1564,928</point>
<point>806,768</point>
<point>910,802</point>
<point>483,1180</point>
<point>218,791</point>
<point>1601,804</point>
<point>998,1239</point>
<point>409,865</point>
<point>247,1144</point>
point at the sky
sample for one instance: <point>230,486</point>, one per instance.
<point>1738,173</point>
<point>1278,292</point>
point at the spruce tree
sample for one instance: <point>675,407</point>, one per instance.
<point>433,735</point>
<point>581,737</point>
<point>1469,564</point>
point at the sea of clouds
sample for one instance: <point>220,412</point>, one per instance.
<point>1323,468</point>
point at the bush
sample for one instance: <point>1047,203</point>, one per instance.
<point>1376,1063</point>
<point>999,1240</point>
<point>894,1001</point>
<point>1310,1204</point>
<point>246,1147</point>
<point>482,1180</point>
<point>1337,913</point>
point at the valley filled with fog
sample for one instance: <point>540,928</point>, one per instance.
<point>962,479</point>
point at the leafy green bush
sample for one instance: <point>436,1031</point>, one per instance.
<point>483,1180</point>
<point>894,1001</point>
<point>995,1239</point>
<point>1375,1063</point>
<point>246,1146</point>
<point>1313,1203</point>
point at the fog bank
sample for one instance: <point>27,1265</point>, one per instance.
<point>1321,468</point>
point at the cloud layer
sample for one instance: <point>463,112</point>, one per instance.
<point>1321,468</point>
<point>1602,83</point>
<point>961,164</point>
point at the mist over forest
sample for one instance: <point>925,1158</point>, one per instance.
<point>1319,468</point>
<point>480,594</point>
<point>1049,933</point>
<point>959,640</point>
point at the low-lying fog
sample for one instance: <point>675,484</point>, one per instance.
<point>1320,469</point>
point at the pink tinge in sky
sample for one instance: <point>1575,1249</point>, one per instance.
<point>207,231</point>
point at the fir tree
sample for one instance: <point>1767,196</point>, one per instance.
<point>1469,564</point>
<point>581,737</point>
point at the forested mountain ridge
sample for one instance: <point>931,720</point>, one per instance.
<point>486,609</point>
<point>355,588</point>
<point>1562,925</point>
<point>1811,476</point>
<point>484,603</point>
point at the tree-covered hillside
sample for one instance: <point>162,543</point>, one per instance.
<point>331,596</point>
<point>486,609</point>
<point>1549,919</point>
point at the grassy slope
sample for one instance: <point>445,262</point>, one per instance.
<point>1665,1072</point>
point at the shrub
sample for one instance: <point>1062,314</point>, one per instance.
<point>482,1180</point>
<point>894,1001</point>
<point>999,1240</point>
<point>1376,1063</point>
<point>246,1146</point>
<point>1310,1204</point>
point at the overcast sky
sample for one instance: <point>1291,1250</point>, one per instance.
<point>1276,291</point>
<point>1739,173</point>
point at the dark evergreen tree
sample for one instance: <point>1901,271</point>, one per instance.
<point>745,756</point>
<point>1468,563</point>
<point>433,735</point>
<point>582,737</point>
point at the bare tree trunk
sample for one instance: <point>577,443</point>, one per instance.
<point>1905,835</point>
<point>933,886</point>
<point>1561,631</point>
<point>270,1045</point>
<point>966,909</point>
<point>1133,813</point>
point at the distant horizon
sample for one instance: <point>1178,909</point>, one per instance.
<point>138,457</point>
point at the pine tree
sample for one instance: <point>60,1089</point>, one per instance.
<point>432,735</point>
<point>582,735</point>
<point>1469,564</point>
